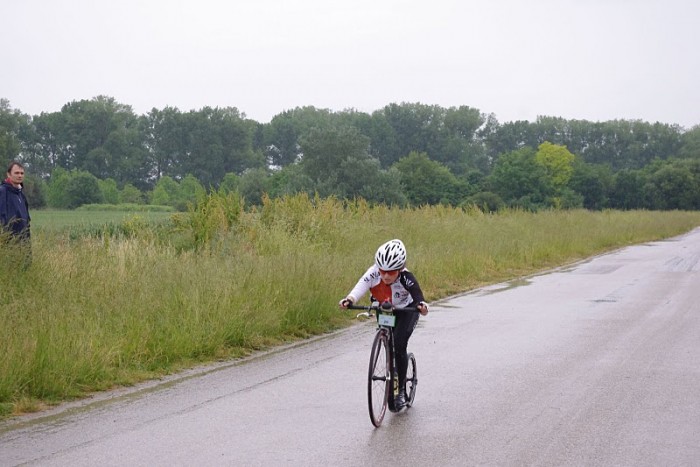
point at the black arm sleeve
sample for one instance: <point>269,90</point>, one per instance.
<point>409,281</point>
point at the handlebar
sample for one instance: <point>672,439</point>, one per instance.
<point>386,307</point>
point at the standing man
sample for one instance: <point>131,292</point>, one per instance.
<point>14,210</point>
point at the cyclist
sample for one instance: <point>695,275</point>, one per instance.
<point>389,280</point>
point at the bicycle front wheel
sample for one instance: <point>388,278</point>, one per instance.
<point>379,378</point>
<point>411,380</point>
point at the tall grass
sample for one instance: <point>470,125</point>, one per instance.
<point>96,311</point>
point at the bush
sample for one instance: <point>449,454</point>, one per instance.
<point>486,201</point>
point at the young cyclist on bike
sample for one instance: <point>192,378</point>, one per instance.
<point>389,280</point>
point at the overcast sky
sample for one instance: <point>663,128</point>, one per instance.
<point>577,59</point>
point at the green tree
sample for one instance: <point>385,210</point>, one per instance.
<point>383,139</point>
<point>629,190</point>
<point>126,148</point>
<point>219,141</point>
<point>283,134</point>
<point>619,143</point>
<point>189,192</point>
<point>165,138</point>
<point>557,162</point>
<point>10,121</point>
<point>593,182</point>
<point>486,201</point>
<point>425,181</point>
<point>160,197</point>
<point>520,181</point>
<point>461,149</point>
<point>325,149</point>
<point>167,193</point>
<point>675,187</point>
<point>691,144</point>
<point>253,184</point>
<point>35,191</point>
<point>449,136</point>
<point>363,177</point>
<point>48,145</point>
<point>130,194</point>
<point>103,138</point>
<point>109,190</point>
<point>509,137</point>
<point>417,128</point>
<point>337,161</point>
<point>229,183</point>
<point>290,180</point>
<point>82,188</point>
<point>56,194</point>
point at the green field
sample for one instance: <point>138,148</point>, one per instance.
<point>120,305</point>
<point>60,219</point>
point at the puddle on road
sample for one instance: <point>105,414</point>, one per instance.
<point>486,290</point>
<point>506,286</point>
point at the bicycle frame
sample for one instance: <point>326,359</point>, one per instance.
<point>386,320</point>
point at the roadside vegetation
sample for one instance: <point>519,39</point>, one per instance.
<point>137,298</point>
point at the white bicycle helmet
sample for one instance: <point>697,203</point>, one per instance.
<point>391,256</point>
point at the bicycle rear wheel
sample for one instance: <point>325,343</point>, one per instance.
<point>411,380</point>
<point>379,378</point>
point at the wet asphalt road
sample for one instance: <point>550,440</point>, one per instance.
<point>594,364</point>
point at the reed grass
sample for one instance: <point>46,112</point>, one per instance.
<point>93,312</point>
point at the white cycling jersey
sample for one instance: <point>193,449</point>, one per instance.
<point>403,292</point>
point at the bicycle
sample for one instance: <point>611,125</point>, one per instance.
<point>382,381</point>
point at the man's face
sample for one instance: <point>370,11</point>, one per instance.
<point>16,175</point>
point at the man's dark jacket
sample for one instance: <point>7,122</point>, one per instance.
<point>14,210</point>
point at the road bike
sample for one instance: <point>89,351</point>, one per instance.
<point>383,378</point>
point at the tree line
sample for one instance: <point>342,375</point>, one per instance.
<point>408,154</point>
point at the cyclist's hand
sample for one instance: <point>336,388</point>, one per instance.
<point>344,303</point>
<point>423,308</point>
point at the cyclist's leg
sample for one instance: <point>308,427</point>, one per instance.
<point>405,324</point>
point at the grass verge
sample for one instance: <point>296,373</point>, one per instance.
<point>97,311</point>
